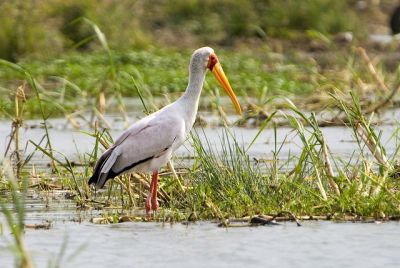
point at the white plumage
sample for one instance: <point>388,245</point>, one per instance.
<point>149,143</point>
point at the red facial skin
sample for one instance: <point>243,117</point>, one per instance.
<point>212,60</point>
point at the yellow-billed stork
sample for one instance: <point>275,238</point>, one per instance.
<point>149,143</point>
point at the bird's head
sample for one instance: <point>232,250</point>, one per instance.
<point>209,60</point>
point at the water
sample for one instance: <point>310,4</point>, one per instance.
<point>203,244</point>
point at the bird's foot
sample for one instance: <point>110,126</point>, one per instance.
<point>151,204</point>
<point>151,200</point>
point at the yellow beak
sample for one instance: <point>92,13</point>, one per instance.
<point>221,77</point>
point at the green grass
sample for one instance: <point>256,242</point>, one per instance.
<point>229,184</point>
<point>76,80</point>
<point>55,27</point>
<point>163,70</point>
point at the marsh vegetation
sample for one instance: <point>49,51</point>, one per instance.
<point>312,183</point>
<point>90,79</point>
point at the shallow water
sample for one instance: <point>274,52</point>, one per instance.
<point>203,244</point>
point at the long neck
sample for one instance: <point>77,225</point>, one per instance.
<point>192,94</point>
<point>189,101</point>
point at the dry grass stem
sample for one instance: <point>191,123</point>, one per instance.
<point>361,51</point>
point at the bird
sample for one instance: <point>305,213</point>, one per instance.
<point>149,143</point>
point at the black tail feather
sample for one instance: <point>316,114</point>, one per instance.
<point>99,165</point>
<point>100,179</point>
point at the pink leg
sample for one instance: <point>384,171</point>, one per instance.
<point>154,202</point>
<point>148,198</point>
<point>151,200</point>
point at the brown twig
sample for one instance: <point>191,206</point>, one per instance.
<point>175,175</point>
<point>384,102</point>
<point>328,168</point>
<point>372,145</point>
<point>361,51</point>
